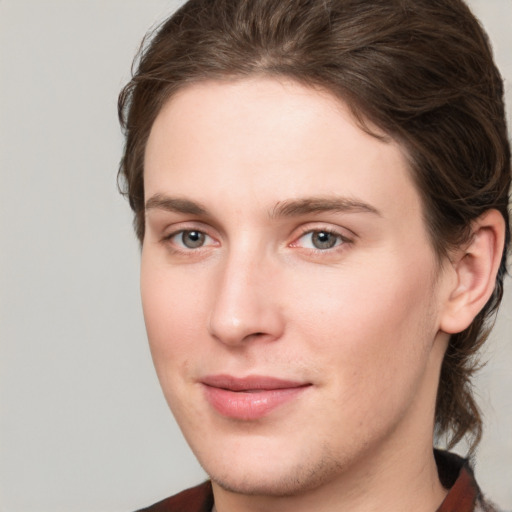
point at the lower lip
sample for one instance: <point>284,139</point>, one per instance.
<point>247,406</point>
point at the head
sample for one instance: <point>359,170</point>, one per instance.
<point>415,73</point>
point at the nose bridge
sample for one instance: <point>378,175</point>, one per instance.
<point>244,305</point>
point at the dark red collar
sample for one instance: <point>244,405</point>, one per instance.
<point>462,496</point>
<point>456,475</point>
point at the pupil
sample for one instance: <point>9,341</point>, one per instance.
<point>192,239</point>
<point>323,240</point>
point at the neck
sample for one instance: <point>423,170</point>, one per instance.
<point>404,481</point>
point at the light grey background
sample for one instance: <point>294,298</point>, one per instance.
<point>83,423</point>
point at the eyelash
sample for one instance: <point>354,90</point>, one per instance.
<point>183,249</point>
<point>341,240</point>
<point>179,247</point>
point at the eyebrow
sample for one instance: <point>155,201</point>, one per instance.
<point>174,204</point>
<point>310,205</point>
<point>289,208</point>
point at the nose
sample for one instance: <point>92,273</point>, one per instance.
<point>245,305</point>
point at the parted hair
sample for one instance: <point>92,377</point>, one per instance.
<point>421,71</point>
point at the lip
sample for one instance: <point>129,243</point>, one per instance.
<point>249,398</point>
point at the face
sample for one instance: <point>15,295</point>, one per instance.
<point>288,287</point>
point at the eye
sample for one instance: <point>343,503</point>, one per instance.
<point>320,240</point>
<point>190,239</point>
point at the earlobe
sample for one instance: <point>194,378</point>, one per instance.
<point>475,266</point>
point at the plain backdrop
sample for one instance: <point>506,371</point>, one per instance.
<point>84,426</point>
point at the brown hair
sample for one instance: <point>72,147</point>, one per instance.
<point>420,70</point>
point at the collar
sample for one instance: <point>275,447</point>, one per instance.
<point>456,475</point>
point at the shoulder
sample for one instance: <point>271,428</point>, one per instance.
<point>195,499</point>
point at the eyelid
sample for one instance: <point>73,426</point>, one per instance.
<point>183,231</point>
<point>183,227</point>
<point>339,232</point>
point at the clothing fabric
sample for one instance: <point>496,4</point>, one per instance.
<point>455,474</point>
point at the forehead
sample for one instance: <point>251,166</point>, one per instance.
<point>269,141</point>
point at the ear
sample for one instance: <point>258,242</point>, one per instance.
<point>475,267</point>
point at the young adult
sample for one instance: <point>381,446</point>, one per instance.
<point>321,192</point>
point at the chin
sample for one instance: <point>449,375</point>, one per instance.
<point>277,478</point>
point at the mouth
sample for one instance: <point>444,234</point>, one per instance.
<point>250,398</point>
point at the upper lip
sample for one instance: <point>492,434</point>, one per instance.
<point>251,383</point>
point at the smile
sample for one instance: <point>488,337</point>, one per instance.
<point>249,398</point>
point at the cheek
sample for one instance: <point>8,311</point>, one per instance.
<point>370,326</point>
<point>171,313</point>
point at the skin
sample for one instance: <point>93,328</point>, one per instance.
<point>258,169</point>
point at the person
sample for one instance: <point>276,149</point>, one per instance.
<point>321,193</point>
